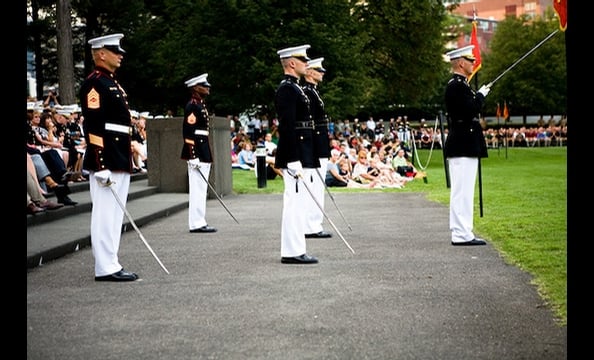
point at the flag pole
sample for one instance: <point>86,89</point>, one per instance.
<point>477,50</point>
<point>443,140</point>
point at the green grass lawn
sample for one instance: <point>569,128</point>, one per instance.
<point>524,209</point>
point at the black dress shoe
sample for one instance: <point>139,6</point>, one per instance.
<point>121,275</point>
<point>321,234</point>
<point>204,229</point>
<point>470,243</point>
<point>61,190</point>
<point>301,259</point>
<point>66,200</point>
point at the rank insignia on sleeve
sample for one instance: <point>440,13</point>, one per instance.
<point>96,140</point>
<point>192,119</point>
<point>93,101</point>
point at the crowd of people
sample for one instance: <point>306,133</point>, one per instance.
<point>56,145</point>
<point>366,158</point>
<point>55,132</point>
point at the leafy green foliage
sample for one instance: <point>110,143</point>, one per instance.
<point>537,82</point>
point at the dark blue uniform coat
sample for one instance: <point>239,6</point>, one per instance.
<point>295,126</point>
<point>196,117</point>
<point>316,107</point>
<point>465,137</point>
<point>103,101</point>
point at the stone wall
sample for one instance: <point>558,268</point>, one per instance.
<point>168,171</point>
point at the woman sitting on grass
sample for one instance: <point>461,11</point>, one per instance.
<point>338,173</point>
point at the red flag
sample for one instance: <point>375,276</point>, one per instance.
<point>498,112</point>
<point>505,111</point>
<point>476,50</point>
<point>561,10</point>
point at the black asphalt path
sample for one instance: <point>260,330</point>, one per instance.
<point>406,293</point>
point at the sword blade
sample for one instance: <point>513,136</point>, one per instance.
<point>333,200</point>
<point>115,195</point>
<point>215,192</point>
<point>326,215</point>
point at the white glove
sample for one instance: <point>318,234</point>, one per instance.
<point>103,177</point>
<point>484,90</point>
<point>194,163</point>
<point>296,169</point>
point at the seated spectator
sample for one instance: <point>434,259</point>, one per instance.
<point>246,157</point>
<point>32,208</point>
<point>542,137</point>
<point>237,141</point>
<point>42,135</point>
<point>338,173</point>
<point>78,140</point>
<point>361,173</point>
<point>36,167</point>
<point>272,171</point>
<point>36,202</point>
<point>385,174</point>
<point>138,140</point>
<point>269,144</point>
<point>40,141</point>
<point>234,159</point>
<point>53,135</point>
<point>402,166</point>
<point>333,176</point>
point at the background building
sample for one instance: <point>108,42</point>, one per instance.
<point>490,12</point>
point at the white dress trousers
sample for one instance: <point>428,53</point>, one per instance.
<point>463,172</point>
<point>198,189</point>
<point>295,198</point>
<point>107,217</point>
<point>315,216</point>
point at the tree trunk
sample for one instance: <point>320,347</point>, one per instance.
<point>65,58</point>
<point>39,79</point>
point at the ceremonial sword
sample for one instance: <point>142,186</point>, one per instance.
<point>197,167</point>
<point>300,176</point>
<point>115,195</point>
<point>334,201</point>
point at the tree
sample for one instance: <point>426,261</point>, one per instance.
<point>377,55</point>
<point>405,45</point>
<point>538,83</point>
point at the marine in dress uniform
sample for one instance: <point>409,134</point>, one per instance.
<point>108,156</point>
<point>295,153</point>
<point>314,75</point>
<point>465,144</point>
<point>197,152</point>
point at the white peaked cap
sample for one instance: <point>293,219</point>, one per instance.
<point>465,51</point>
<point>64,111</point>
<point>111,42</point>
<point>316,64</point>
<point>73,108</point>
<point>145,114</point>
<point>134,113</point>
<point>198,80</point>
<point>295,51</point>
